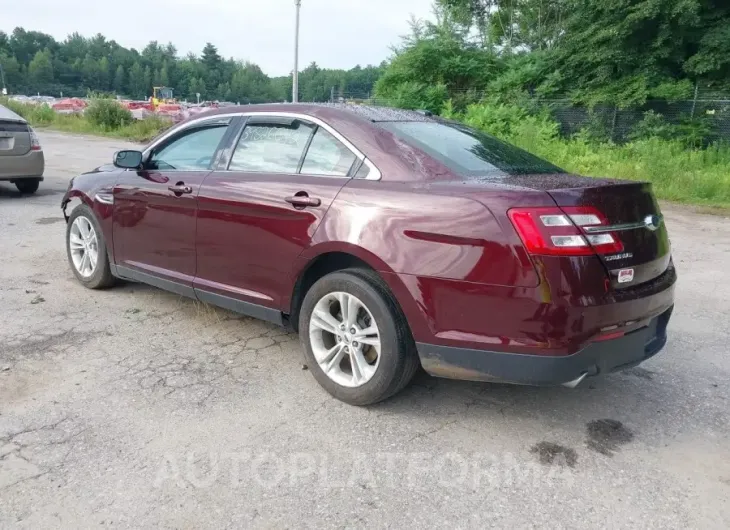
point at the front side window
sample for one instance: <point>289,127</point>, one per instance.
<point>271,148</point>
<point>192,150</point>
<point>327,156</point>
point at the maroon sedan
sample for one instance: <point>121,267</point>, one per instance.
<point>389,240</point>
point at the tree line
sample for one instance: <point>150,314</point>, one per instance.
<point>34,62</point>
<point>622,52</point>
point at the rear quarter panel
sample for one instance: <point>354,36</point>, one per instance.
<point>416,229</point>
<point>411,232</point>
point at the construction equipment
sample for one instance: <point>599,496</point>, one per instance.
<point>162,95</point>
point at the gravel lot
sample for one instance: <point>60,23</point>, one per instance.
<point>137,408</point>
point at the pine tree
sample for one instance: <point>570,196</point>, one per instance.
<point>164,76</point>
<point>147,81</point>
<point>119,80</point>
<point>40,69</point>
<point>104,74</point>
<point>136,82</point>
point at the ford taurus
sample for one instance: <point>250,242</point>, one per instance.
<point>388,240</point>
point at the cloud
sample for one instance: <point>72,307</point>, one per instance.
<point>334,33</point>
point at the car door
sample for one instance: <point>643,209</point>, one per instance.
<point>155,208</point>
<point>260,211</point>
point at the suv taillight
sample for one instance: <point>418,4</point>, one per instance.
<point>558,231</point>
<point>35,144</point>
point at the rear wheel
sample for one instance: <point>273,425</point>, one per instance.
<point>356,340</point>
<point>86,249</point>
<point>27,186</point>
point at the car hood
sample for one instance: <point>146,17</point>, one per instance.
<point>106,168</point>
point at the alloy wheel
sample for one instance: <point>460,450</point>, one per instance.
<point>345,339</point>
<point>84,246</point>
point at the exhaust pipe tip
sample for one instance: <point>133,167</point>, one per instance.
<point>575,382</point>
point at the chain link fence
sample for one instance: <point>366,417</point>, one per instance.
<point>708,119</point>
<point>706,116</point>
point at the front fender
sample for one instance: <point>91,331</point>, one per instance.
<point>95,190</point>
<point>72,194</point>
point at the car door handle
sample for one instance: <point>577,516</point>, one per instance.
<point>180,188</point>
<point>303,201</point>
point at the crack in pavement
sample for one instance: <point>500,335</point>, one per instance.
<point>33,452</point>
<point>195,379</point>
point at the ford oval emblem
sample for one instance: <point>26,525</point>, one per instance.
<point>652,222</point>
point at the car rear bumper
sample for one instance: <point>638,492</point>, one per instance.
<point>30,165</point>
<point>543,370</point>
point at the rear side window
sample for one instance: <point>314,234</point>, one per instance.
<point>327,156</point>
<point>363,172</point>
<point>271,148</point>
<point>468,152</point>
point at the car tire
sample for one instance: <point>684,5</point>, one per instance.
<point>100,276</point>
<point>396,361</point>
<point>27,186</point>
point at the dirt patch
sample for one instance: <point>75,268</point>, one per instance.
<point>39,346</point>
<point>606,436</point>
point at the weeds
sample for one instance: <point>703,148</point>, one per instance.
<point>103,117</point>
<point>678,172</point>
<point>139,130</point>
<point>108,114</point>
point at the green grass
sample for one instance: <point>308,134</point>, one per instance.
<point>678,173</point>
<point>138,131</point>
<point>692,176</point>
<point>43,116</point>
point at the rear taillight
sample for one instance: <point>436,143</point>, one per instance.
<point>35,144</point>
<point>559,231</point>
<point>609,336</point>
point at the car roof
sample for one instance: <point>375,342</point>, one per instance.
<point>378,114</point>
<point>369,113</point>
<point>8,115</point>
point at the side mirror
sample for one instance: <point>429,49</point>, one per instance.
<point>128,159</point>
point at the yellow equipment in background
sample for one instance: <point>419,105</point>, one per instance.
<point>162,95</point>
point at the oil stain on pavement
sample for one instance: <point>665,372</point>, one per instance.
<point>48,220</point>
<point>551,453</point>
<point>606,436</point>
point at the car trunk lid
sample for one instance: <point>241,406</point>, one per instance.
<point>631,216</point>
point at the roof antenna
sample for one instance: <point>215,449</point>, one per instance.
<point>425,112</point>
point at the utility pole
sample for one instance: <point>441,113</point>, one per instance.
<point>2,77</point>
<point>295,84</point>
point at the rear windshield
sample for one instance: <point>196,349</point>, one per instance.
<point>468,152</point>
<point>13,126</point>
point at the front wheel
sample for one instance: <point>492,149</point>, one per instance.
<point>86,249</point>
<point>27,186</point>
<point>356,340</point>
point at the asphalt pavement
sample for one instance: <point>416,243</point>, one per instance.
<point>135,408</point>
